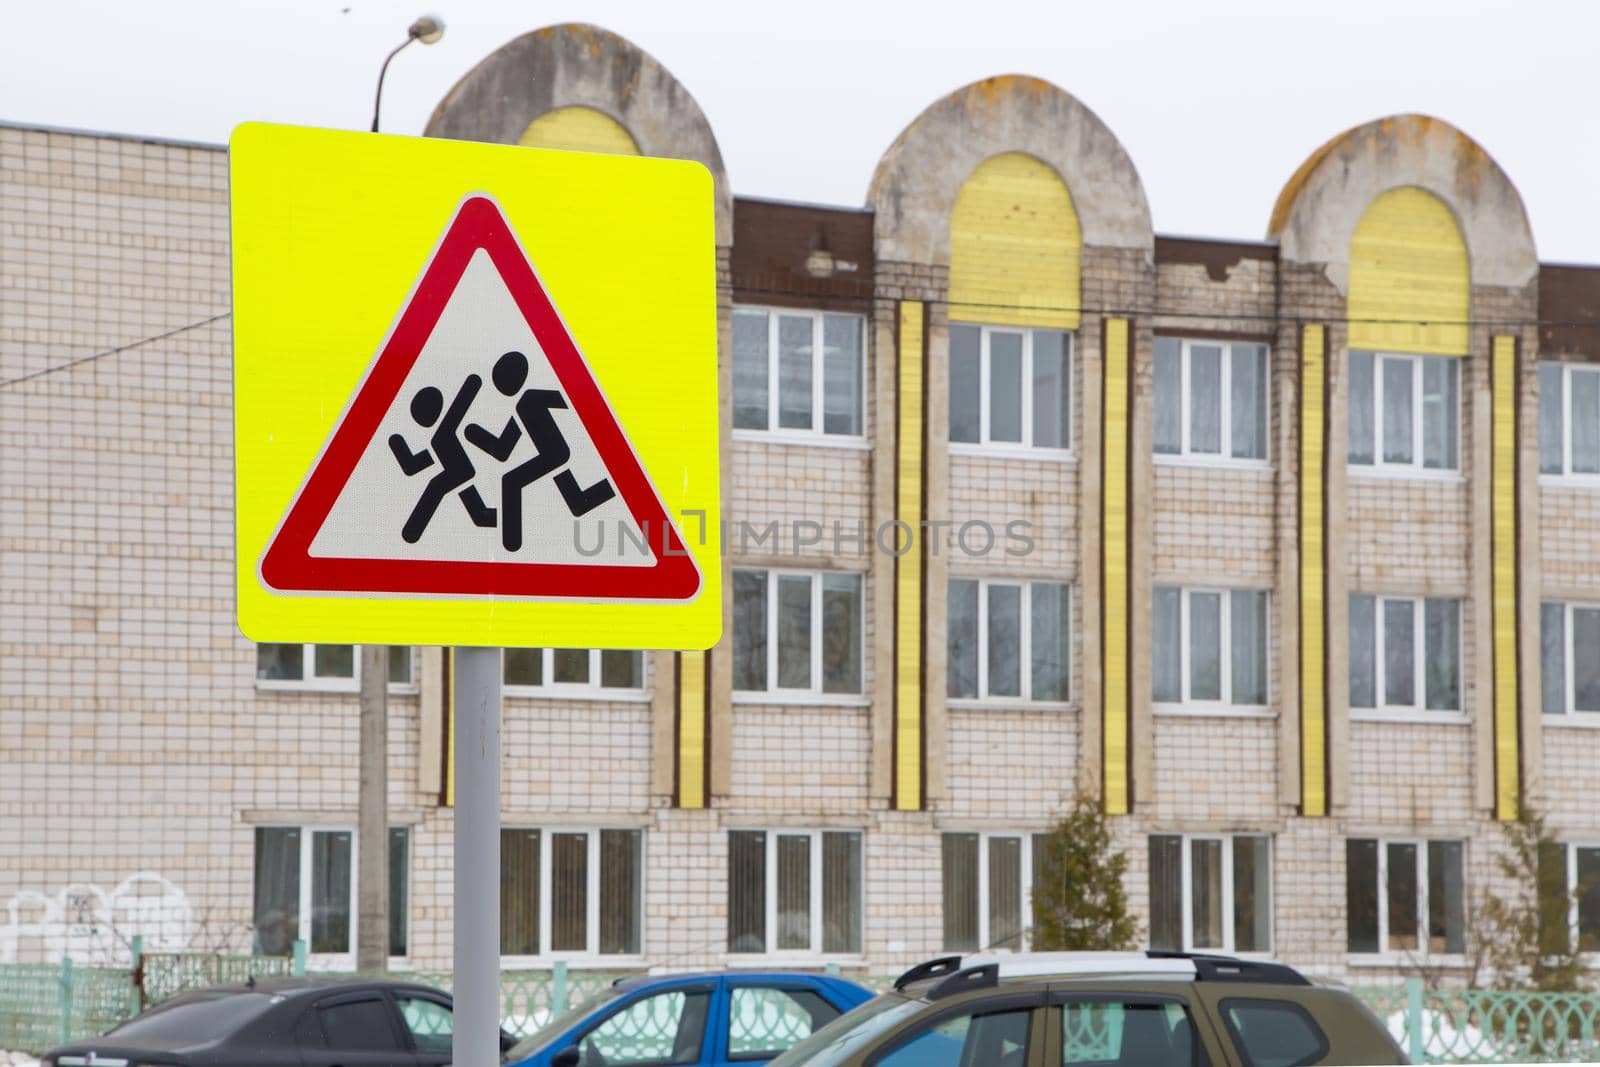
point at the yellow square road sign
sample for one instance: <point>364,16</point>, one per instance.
<point>475,394</point>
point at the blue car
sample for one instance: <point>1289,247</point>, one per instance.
<point>739,1018</point>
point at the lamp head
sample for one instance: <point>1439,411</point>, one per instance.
<point>427,29</point>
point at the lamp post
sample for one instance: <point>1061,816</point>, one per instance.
<point>427,29</point>
<point>372,801</point>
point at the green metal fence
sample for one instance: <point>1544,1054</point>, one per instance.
<point>46,1004</point>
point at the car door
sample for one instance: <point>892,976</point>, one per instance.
<point>763,1017</point>
<point>665,1028</point>
<point>430,1024</point>
<point>1000,1030</point>
<point>352,1029</point>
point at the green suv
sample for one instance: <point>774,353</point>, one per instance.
<point>1128,1009</point>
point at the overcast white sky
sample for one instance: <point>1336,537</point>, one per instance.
<point>1216,102</point>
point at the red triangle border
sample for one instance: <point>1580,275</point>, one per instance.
<point>287,565</point>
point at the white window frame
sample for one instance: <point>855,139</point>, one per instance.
<point>1379,467</point>
<point>1385,953</point>
<point>310,683</point>
<point>776,694</point>
<point>1185,456</point>
<point>985,699</point>
<point>346,960</point>
<point>984,837</point>
<point>816,435</point>
<point>983,446</point>
<point>1569,851</point>
<point>1187,705</point>
<point>1569,715</point>
<point>1566,476</point>
<point>549,689</point>
<point>1186,897</point>
<point>1418,709</point>
<point>770,905</point>
<point>590,953</point>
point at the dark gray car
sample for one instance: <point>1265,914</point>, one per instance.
<point>281,1022</point>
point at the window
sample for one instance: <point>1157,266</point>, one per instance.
<point>797,632</point>
<point>988,889</point>
<point>358,1025</point>
<point>1569,641</point>
<point>431,1024</point>
<point>1010,387</point>
<point>333,667</point>
<point>1569,420</point>
<point>794,892</point>
<point>1569,892</point>
<point>1008,640</point>
<point>763,1021</point>
<point>1405,653</point>
<point>305,890</point>
<point>797,372</point>
<point>1210,893</point>
<point>1211,399</point>
<point>1210,647</point>
<point>668,1028</point>
<point>570,892</point>
<point>999,1038</point>
<point>1130,1029</point>
<point>1404,896</point>
<point>1403,411</point>
<point>608,672</point>
<point>1273,1033</point>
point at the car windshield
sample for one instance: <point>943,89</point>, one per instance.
<point>557,1026</point>
<point>847,1034</point>
<point>197,1017</point>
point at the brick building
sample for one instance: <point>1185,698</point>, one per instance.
<point>1279,548</point>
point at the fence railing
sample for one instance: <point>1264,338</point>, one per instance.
<point>48,1004</point>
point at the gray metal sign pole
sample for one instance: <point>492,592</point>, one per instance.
<point>476,683</point>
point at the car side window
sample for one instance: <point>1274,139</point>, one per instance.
<point>1127,1033</point>
<point>358,1025</point>
<point>999,1039</point>
<point>657,1031</point>
<point>1273,1033</point>
<point>431,1025</point>
<point>762,1021</point>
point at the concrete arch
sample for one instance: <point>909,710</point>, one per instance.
<point>578,65</point>
<point>914,187</point>
<point>1318,210</point>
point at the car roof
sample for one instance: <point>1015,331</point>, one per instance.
<point>643,981</point>
<point>287,986</point>
<point>949,975</point>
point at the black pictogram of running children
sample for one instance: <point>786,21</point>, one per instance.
<point>534,417</point>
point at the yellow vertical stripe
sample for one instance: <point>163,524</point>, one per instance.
<point>691,729</point>
<point>1015,246</point>
<point>909,566</point>
<point>1114,567</point>
<point>1313,615</point>
<point>1409,276</point>
<point>1504,503</point>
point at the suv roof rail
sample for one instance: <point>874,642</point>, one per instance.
<point>934,968</point>
<point>1210,967</point>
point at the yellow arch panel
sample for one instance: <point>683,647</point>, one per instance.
<point>579,129</point>
<point>1015,246</point>
<point>1409,277</point>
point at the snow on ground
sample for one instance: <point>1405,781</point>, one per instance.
<point>1439,1035</point>
<point>17,1059</point>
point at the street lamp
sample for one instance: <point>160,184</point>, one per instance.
<point>427,29</point>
